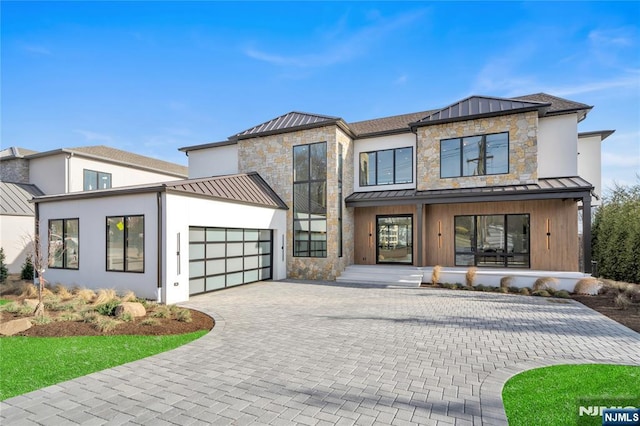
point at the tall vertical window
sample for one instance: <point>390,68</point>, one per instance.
<point>492,240</point>
<point>475,155</point>
<point>310,200</point>
<point>63,243</point>
<point>96,180</point>
<point>386,167</point>
<point>125,243</point>
<point>340,162</point>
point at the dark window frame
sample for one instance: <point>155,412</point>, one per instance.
<point>98,174</point>
<point>377,174</point>
<point>125,244</point>
<point>505,255</point>
<point>340,201</point>
<point>63,236</point>
<point>377,241</point>
<point>461,154</point>
<point>310,252</point>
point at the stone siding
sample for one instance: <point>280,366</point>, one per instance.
<point>523,151</point>
<point>272,158</point>
<point>15,170</point>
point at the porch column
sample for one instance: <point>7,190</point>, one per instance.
<point>418,261</point>
<point>586,232</point>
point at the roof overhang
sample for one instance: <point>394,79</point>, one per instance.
<point>602,133</point>
<point>574,188</point>
<point>186,149</point>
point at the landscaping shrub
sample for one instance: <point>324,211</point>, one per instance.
<point>4,272</point>
<point>562,294</point>
<point>62,292</point>
<point>129,297</point>
<point>525,291</point>
<point>479,287</point>
<point>126,317</point>
<point>183,315</point>
<point>161,312</point>
<point>504,290</point>
<point>105,296</point>
<point>27,272</point>
<point>435,275</point>
<point>514,289</point>
<point>85,294</point>
<point>545,283</point>
<point>541,293</point>
<point>90,317</point>
<point>622,301</point>
<point>470,276</point>
<point>70,316</point>
<point>149,321</point>
<point>587,286</point>
<point>108,308</point>
<point>506,282</point>
<point>41,320</point>
<point>106,325</point>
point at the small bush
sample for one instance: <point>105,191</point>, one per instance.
<point>525,291</point>
<point>105,296</point>
<point>18,309</point>
<point>506,282</point>
<point>435,275</point>
<point>149,321</point>
<point>41,320</point>
<point>129,297</point>
<point>108,308</point>
<point>514,289</point>
<point>161,312</point>
<point>504,290</point>
<point>562,294</point>
<point>470,276</point>
<point>126,317</point>
<point>587,286</point>
<point>545,283</point>
<point>4,272</point>
<point>622,301</point>
<point>541,293</point>
<point>70,316</point>
<point>62,292</point>
<point>27,272</point>
<point>106,325</point>
<point>479,287</point>
<point>90,317</point>
<point>184,315</point>
<point>29,291</point>
<point>85,294</point>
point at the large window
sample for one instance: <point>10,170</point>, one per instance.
<point>475,155</point>
<point>310,200</point>
<point>387,167</point>
<point>63,243</point>
<point>394,239</point>
<point>125,243</point>
<point>492,240</point>
<point>96,180</point>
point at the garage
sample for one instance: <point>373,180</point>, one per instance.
<point>226,257</point>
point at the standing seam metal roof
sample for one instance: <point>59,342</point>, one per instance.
<point>287,121</point>
<point>14,198</point>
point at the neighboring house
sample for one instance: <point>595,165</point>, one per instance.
<point>485,181</point>
<point>25,173</point>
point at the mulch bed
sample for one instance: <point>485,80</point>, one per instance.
<point>164,326</point>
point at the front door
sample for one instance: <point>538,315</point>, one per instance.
<point>394,239</point>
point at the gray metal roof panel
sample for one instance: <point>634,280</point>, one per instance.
<point>14,198</point>
<point>288,121</point>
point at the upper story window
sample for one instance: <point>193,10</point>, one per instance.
<point>96,180</point>
<point>310,200</point>
<point>63,243</point>
<point>475,155</point>
<point>386,167</point>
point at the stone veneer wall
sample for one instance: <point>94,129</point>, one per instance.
<point>15,170</point>
<point>523,151</point>
<point>272,158</point>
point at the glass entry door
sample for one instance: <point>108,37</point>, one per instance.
<point>394,239</point>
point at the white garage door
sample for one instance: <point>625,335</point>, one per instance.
<point>226,257</point>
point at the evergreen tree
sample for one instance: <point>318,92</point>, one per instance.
<point>27,272</point>
<point>4,272</point>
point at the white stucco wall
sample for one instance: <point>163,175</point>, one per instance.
<point>558,146</point>
<point>181,212</point>
<point>589,164</point>
<point>17,234</point>
<point>92,214</point>
<point>49,173</point>
<point>215,161</point>
<point>378,144</point>
<point>120,175</point>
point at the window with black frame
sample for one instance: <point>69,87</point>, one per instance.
<point>64,249</point>
<point>492,240</point>
<point>310,200</point>
<point>475,155</point>
<point>386,167</point>
<point>125,243</point>
<point>93,180</point>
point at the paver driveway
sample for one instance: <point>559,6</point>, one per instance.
<point>326,353</point>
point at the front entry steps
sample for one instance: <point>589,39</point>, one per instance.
<point>392,275</point>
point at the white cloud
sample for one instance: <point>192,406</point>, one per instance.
<point>38,50</point>
<point>338,49</point>
<point>94,136</point>
<point>617,37</point>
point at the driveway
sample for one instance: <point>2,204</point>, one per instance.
<point>318,353</point>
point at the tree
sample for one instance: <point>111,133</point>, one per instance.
<point>616,234</point>
<point>4,272</point>
<point>27,272</point>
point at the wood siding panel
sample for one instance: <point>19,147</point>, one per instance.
<point>365,230</point>
<point>562,254</point>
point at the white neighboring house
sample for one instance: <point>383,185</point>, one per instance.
<point>26,173</point>
<point>169,240</point>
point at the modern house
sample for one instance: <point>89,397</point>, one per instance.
<point>26,173</point>
<point>487,182</point>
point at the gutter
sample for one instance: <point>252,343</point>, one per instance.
<point>159,244</point>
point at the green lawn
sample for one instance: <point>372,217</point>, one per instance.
<point>30,363</point>
<point>552,395</point>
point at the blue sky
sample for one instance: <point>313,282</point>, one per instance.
<point>151,77</point>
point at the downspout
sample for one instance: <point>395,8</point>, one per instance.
<point>36,239</point>
<point>419,208</point>
<point>68,167</point>
<point>159,246</point>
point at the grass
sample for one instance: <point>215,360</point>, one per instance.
<point>553,395</point>
<point>4,301</point>
<point>30,363</point>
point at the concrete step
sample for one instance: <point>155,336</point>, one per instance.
<point>405,276</point>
